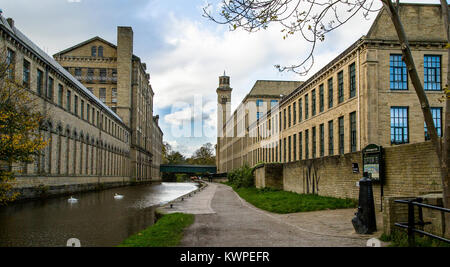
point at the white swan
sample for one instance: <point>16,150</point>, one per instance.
<point>117,196</point>
<point>72,200</point>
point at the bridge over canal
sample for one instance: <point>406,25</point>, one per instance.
<point>205,169</point>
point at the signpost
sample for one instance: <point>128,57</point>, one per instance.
<point>373,164</point>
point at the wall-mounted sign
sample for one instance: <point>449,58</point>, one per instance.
<point>372,162</point>
<point>355,167</point>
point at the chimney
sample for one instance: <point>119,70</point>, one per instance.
<point>124,72</point>
<point>10,22</point>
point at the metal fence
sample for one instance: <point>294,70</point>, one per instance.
<point>411,224</point>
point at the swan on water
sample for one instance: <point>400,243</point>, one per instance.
<point>72,200</point>
<point>117,196</point>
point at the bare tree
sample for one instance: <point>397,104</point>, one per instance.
<point>446,142</point>
<point>313,19</point>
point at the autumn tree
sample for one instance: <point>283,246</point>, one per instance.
<point>314,19</point>
<point>203,156</point>
<point>20,140</point>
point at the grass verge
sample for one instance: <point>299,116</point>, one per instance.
<point>166,232</point>
<point>399,238</point>
<point>283,202</point>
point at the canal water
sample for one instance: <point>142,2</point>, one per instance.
<point>97,219</point>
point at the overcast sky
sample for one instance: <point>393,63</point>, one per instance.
<point>185,53</point>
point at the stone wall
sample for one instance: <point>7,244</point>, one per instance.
<point>328,176</point>
<point>260,177</point>
<point>40,187</point>
<point>268,175</point>
<point>410,170</point>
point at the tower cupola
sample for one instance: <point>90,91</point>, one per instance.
<point>224,82</point>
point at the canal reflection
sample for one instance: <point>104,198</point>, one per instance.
<point>97,219</point>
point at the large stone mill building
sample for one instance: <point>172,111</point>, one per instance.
<point>361,97</point>
<point>101,127</point>
<point>119,79</point>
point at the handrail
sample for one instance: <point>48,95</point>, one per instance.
<point>423,233</point>
<point>410,225</point>
<point>424,205</point>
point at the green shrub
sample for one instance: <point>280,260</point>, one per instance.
<point>241,177</point>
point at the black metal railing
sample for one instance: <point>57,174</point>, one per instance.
<point>411,224</point>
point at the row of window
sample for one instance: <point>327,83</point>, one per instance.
<point>102,94</point>
<point>400,124</point>
<point>399,130</point>
<point>95,49</point>
<point>305,106</point>
<point>76,105</point>
<point>398,81</point>
<point>103,75</point>
<point>399,76</point>
<point>286,149</point>
<point>431,72</point>
<point>260,107</point>
<point>88,114</point>
<point>75,157</point>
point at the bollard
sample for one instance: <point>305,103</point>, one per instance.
<point>365,221</point>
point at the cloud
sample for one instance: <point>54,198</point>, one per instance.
<point>198,51</point>
<point>199,54</point>
<point>185,150</point>
<point>180,117</point>
<point>195,119</point>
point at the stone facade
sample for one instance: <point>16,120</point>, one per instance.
<point>88,142</point>
<point>351,102</point>
<point>120,80</point>
<point>157,135</point>
<point>233,139</point>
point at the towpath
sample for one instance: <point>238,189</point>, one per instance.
<point>223,219</point>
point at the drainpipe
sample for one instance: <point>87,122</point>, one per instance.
<point>358,87</point>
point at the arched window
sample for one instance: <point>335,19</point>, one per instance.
<point>67,150</point>
<point>94,51</point>
<point>100,51</point>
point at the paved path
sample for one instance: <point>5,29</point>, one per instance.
<point>223,219</point>
<point>199,203</point>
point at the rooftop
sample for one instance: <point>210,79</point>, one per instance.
<point>15,33</point>
<point>273,88</point>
